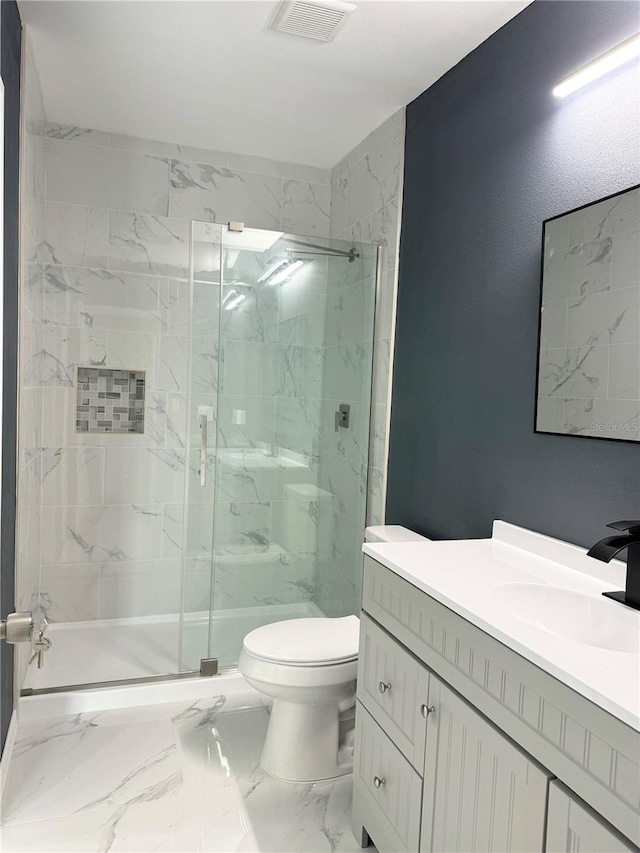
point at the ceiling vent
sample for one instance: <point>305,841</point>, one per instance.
<point>311,20</point>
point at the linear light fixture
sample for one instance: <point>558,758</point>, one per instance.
<point>618,55</point>
<point>273,269</point>
<point>286,273</point>
<point>232,300</point>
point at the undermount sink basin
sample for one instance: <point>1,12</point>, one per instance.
<point>591,620</point>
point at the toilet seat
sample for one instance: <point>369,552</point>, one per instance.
<point>309,642</point>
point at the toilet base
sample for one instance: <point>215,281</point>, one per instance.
<point>303,743</point>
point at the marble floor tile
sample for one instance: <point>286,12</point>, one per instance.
<point>135,828</point>
<point>73,765</point>
<point>284,817</point>
<point>218,749</point>
<point>273,817</point>
<point>177,777</point>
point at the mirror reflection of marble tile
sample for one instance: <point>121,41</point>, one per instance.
<point>589,360</point>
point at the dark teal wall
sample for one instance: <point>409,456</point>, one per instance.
<point>490,154</point>
<point>10,30</point>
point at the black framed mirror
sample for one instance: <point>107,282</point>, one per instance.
<point>588,380</point>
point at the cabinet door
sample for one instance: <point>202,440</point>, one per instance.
<point>393,685</point>
<point>572,827</point>
<point>481,792</point>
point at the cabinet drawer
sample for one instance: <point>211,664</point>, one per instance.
<point>393,686</point>
<point>386,788</point>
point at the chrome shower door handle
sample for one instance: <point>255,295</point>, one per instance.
<point>17,628</point>
<point>204,422</point>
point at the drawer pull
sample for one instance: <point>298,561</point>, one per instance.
<point>377,781</point>
<point>426,710</point>
<point>384,686</point>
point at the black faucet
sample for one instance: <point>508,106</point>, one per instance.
<point>607,548</point>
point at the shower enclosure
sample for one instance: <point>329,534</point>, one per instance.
<point>264,500</point>
<point>276,483</point>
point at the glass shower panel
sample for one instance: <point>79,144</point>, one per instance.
<point>296,338</point>
<point>270,416</point>
<point>202,405</point>
<point>344,450</point>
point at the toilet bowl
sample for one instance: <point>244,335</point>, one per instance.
<point>308,667</point>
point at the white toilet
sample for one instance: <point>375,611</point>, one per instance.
<point>308,667</point>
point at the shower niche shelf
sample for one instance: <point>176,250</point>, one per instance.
<point>110,400</point>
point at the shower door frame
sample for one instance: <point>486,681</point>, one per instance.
<point>208,663</point>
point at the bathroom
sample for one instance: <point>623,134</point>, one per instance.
<point>391,299</point>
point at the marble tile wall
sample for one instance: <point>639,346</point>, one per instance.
<point>109,279</point>
<point>366,193</point>
<point>112,269</point>
<point>366,201</point>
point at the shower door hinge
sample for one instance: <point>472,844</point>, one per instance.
<point>343,416</point>
<point>209,666</point>
<point>236,226</point>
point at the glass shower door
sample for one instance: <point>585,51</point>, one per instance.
<point>205,277</point>
<point>275,527</point>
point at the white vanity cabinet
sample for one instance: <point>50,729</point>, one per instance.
<point>460,741</point>
<point>431,773</point>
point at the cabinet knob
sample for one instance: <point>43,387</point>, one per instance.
<point>377,781</point>
<point>426,710</point>
<point>384,686</point>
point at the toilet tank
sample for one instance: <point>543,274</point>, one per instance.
<point>392,533</point>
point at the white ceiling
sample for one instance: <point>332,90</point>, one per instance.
<point>212,75</point>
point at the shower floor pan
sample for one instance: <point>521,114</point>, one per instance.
<point>109,650</point>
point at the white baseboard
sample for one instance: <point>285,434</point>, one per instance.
<point>5,761</point>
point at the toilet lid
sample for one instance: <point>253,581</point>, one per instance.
<point>313,642</point>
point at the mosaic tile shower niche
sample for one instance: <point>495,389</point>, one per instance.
<point>110,400</point>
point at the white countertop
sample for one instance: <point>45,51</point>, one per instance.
<point>468,577</point>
